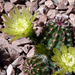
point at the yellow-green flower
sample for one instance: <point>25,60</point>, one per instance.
<point>65,59</point>
<point>20,25</point>
<point>58,73</point>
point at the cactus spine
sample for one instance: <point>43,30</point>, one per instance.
<point>35,66</point>
<point>57,32</point>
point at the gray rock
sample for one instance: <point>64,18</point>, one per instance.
<point>16,1</point>
<point>17,48</point>
<point>43,9</point>
<point>0,22</point>
<point>13,52</point>
<point>71,2</point>
<point>41,2</point>
<point>61,7</point>
<point>39,30</point>
<point>62,12</point>
<point>10,70</point>
<point>72,17</point>
<point>49,4</point>
<point>62,15</point>
<point>3,41</point>
<point>42,18</point>
<point>56,1</point>
<point>73,23</point>
<point>52,13</point>
<point>70,9</point>
<point>32,6</point>
<point>31,52</point>
<point>38,27</point>
<point>8,6</point>
<point>26,48</point>
<point>0,25</point>
<point>34,0</point>
<point>4,56</point>
<point>1,1</point>
<point>22,73</point>
<point>1,8</point>
<point>22,41</point>
<point>18,61</point>
<point>65,2</point>
<point>2,72</point>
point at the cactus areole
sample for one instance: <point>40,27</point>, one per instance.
<point>57,32</point>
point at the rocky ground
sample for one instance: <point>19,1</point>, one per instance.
<point>12,56</point>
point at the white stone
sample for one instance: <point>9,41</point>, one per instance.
<point>71,2</point>
<point>41,9</point>
<point>49,4</point>
<point>31,53</point>
<point>10,70</point>
<point>62,15</point>
<point>56,1</point>
<point>72,17</point>
<point>52,13</point>
<point>33,0</point>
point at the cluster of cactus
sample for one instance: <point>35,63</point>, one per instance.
<point>56,33</point>
<point>36,66</point>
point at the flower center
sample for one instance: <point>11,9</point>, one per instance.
<point>20,25</point>
<point>68,59</point>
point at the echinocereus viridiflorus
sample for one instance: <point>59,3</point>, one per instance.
<point>65,59</point>
<point>37,65</point>
<point>20,25</point>
<point>57,33</point>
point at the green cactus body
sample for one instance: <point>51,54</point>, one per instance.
<point>57,32</point>
<point>35,66</point>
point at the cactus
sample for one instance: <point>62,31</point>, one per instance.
<point>56,33</point>
<point>73,34</point>
<point>36,65</point>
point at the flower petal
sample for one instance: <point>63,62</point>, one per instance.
<point>58,73</point>
<point>73,69</point>
<point>60,64</point>
<point>70,70</point>
<point>56,58</point>
<point>72,50</point>
<point>32,19</point>
<point>8,19</point>
<point>13,15</point>
<point>17,12</point>
<point>7,23</point>
<point>10,31</point>
<point>56,52</point>
<point>28,15</point>
<point>64,70</point>
<point>64,49</point>
<point>15,38</point>
<point>23,12</point>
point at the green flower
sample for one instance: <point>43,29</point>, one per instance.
<point>20,25</point>
<point>58,73</point>
<point>65,59</point>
